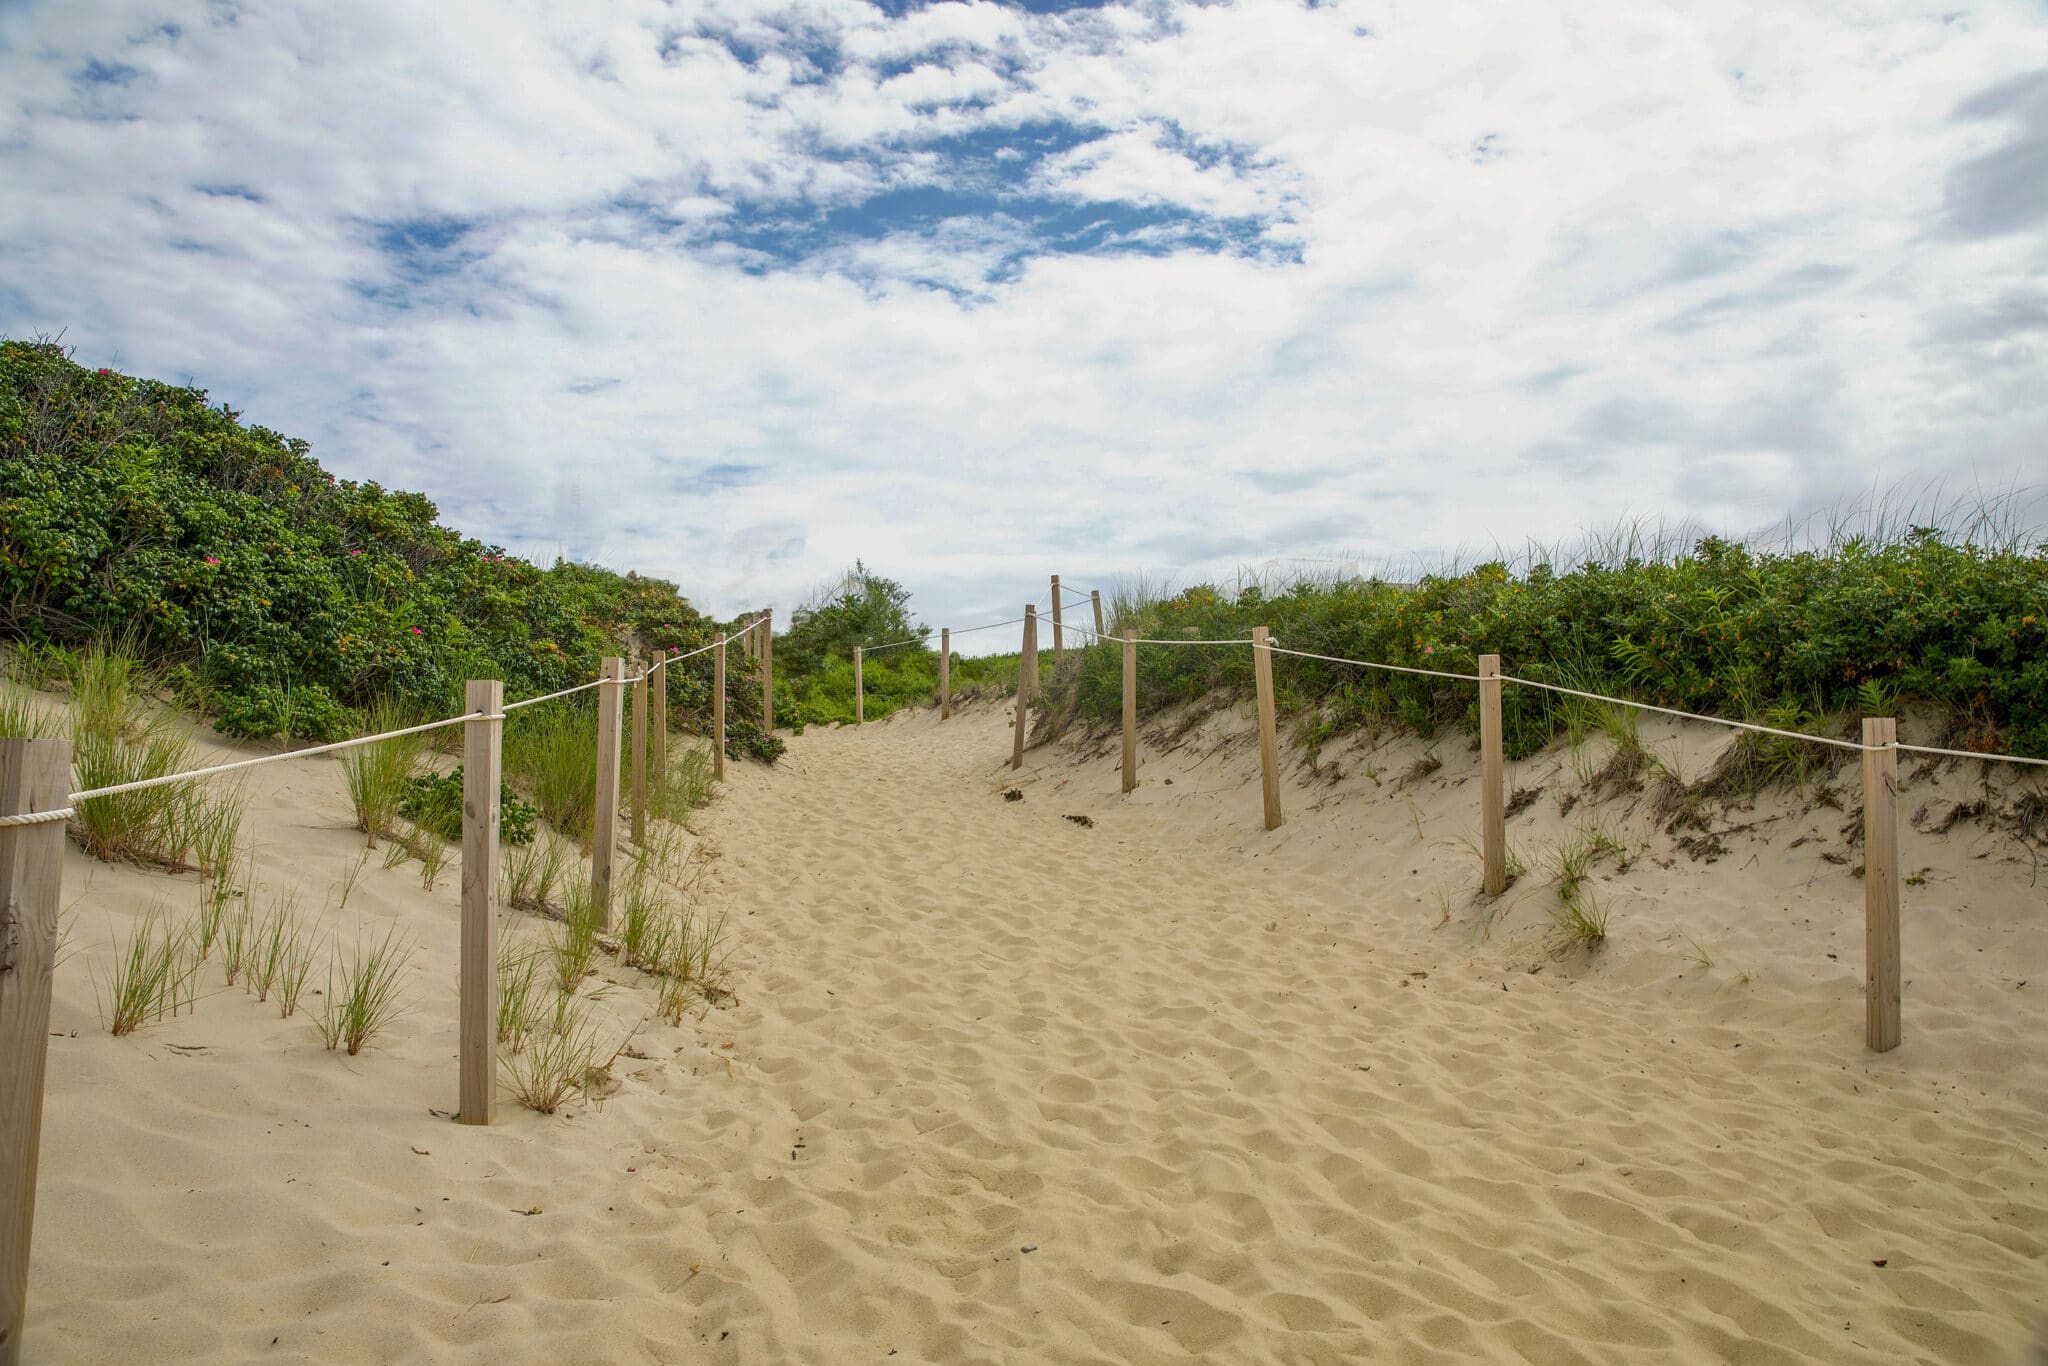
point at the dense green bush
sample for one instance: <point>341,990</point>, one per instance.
<point>285,597</point>
<point>433,802</point>
<point>1725,630</point>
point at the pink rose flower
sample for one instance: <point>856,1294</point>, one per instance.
<point>417,631</point>
<point>213,559</point>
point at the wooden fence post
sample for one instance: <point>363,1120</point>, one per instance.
<point>646,674</point>
<point>768,671</point>
<point>1027,676</point>
<point>1493,821</point>
<point>482,769</point>
<point>34,776</point>
<point>660,724</point>
<point>604,820</point>
<point>945,672</point>
<point>860,695</point>
<point>1881,883</point>
<point>1059,638</point>
<point>1269,741</point>
<point>1095,596</point>
<point>718,712</point>
<point>1130,708</point>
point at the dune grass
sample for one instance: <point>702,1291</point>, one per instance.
<point>156,971</point>
<point>521,994</point>
<point>530,875</point>
<point>573,943</point>
<point>564,1054</point>
<point>377,774</point>
<point>362,998</point>
<point>550,753</point>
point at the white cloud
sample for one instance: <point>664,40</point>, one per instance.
<point>1524,270</point>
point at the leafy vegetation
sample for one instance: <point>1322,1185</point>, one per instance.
<point>1956,621</point>
<point>282,599</point>
<point>433,802</point>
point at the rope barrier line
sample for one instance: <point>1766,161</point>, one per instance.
<point>1693,715</point>
<point>1368,664</point>
<point>1973,754</point>
<point>61,813</point>
<point>986,626</point>
<point>877,649</point>
<point>192,773</point>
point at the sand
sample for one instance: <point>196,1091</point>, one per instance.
<point>1002,1086</point>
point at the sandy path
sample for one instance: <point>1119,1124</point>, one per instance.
<point>1198,1069</point>
<point>1219,1097</point>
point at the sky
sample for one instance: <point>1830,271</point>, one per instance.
<point>736,292</point>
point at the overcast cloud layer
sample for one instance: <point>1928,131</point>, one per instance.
<point>734,292</point>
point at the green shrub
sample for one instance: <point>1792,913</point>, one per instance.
<point>287,597</point>
<point>433,802</point>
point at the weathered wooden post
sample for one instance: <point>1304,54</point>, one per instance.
<point>1095,596</point>
<point>1027,678</point>
<point>945,672</point>
<point>604,820</point>
<point>482,770</point>
<point>768,670</point>
<point>860,694</point>
<point>34,778</point>
<point>718,712</point>
<point>1130,708</point>
<point>660,724</point>
<point>1269,744</point>
<point>1881,969</point>
<point>1059,639</point>
<point>646,675</point>
<point>1493,820</point>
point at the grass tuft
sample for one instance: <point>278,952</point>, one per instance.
<point>365,1001</point>
<point>377,773</point>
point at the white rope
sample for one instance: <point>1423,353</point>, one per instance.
<point>1366,664</point>
<point>877,649</point>
<point>1693,715</point>
<point>989,626</point>
<point>36,817</point>
<point>1974,754</point>
<point>192,773</point>
<point>1146,640</point>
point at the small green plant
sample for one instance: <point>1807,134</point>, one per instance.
<point>377,774</point>
<point>23,717</point>
<point>551,752</point>
<point>350,878</point>
<point>693,963</point>
<point>1698,956</point>
<point>563,1055</point>
<point>237,937</point>
<point>530,873</point>
<point>293,972</point>
<point>1579,920</point>
<point>645,911</point>
<point>433,852</point>
<point>573,943</point>
<point>155,971</point>
<point>277,944</point>
<point>117,738</point>
<point>213,826</point>
<point>433,802</point>
<point>365,1001</point>
<point>519,991</point>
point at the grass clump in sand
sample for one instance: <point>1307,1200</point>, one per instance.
<point>117,738</point>
<point>564,1054</point>
<point>1577,918</point>
<point>573,943</point>
<point>377,773</point>
<point>365,1001</point>
<point>155,971</point>
<point>551,752</point>
<point>530,874</point>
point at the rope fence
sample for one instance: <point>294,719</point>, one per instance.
<point>1879,750</point>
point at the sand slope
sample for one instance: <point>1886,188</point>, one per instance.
<point>1246,1097</point>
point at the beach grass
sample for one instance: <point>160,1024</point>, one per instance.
<point>154,972</point>
<point>377,774</point>
<point>363,992</point>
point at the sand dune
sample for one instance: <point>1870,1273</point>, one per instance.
<point>1001,1086</point>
